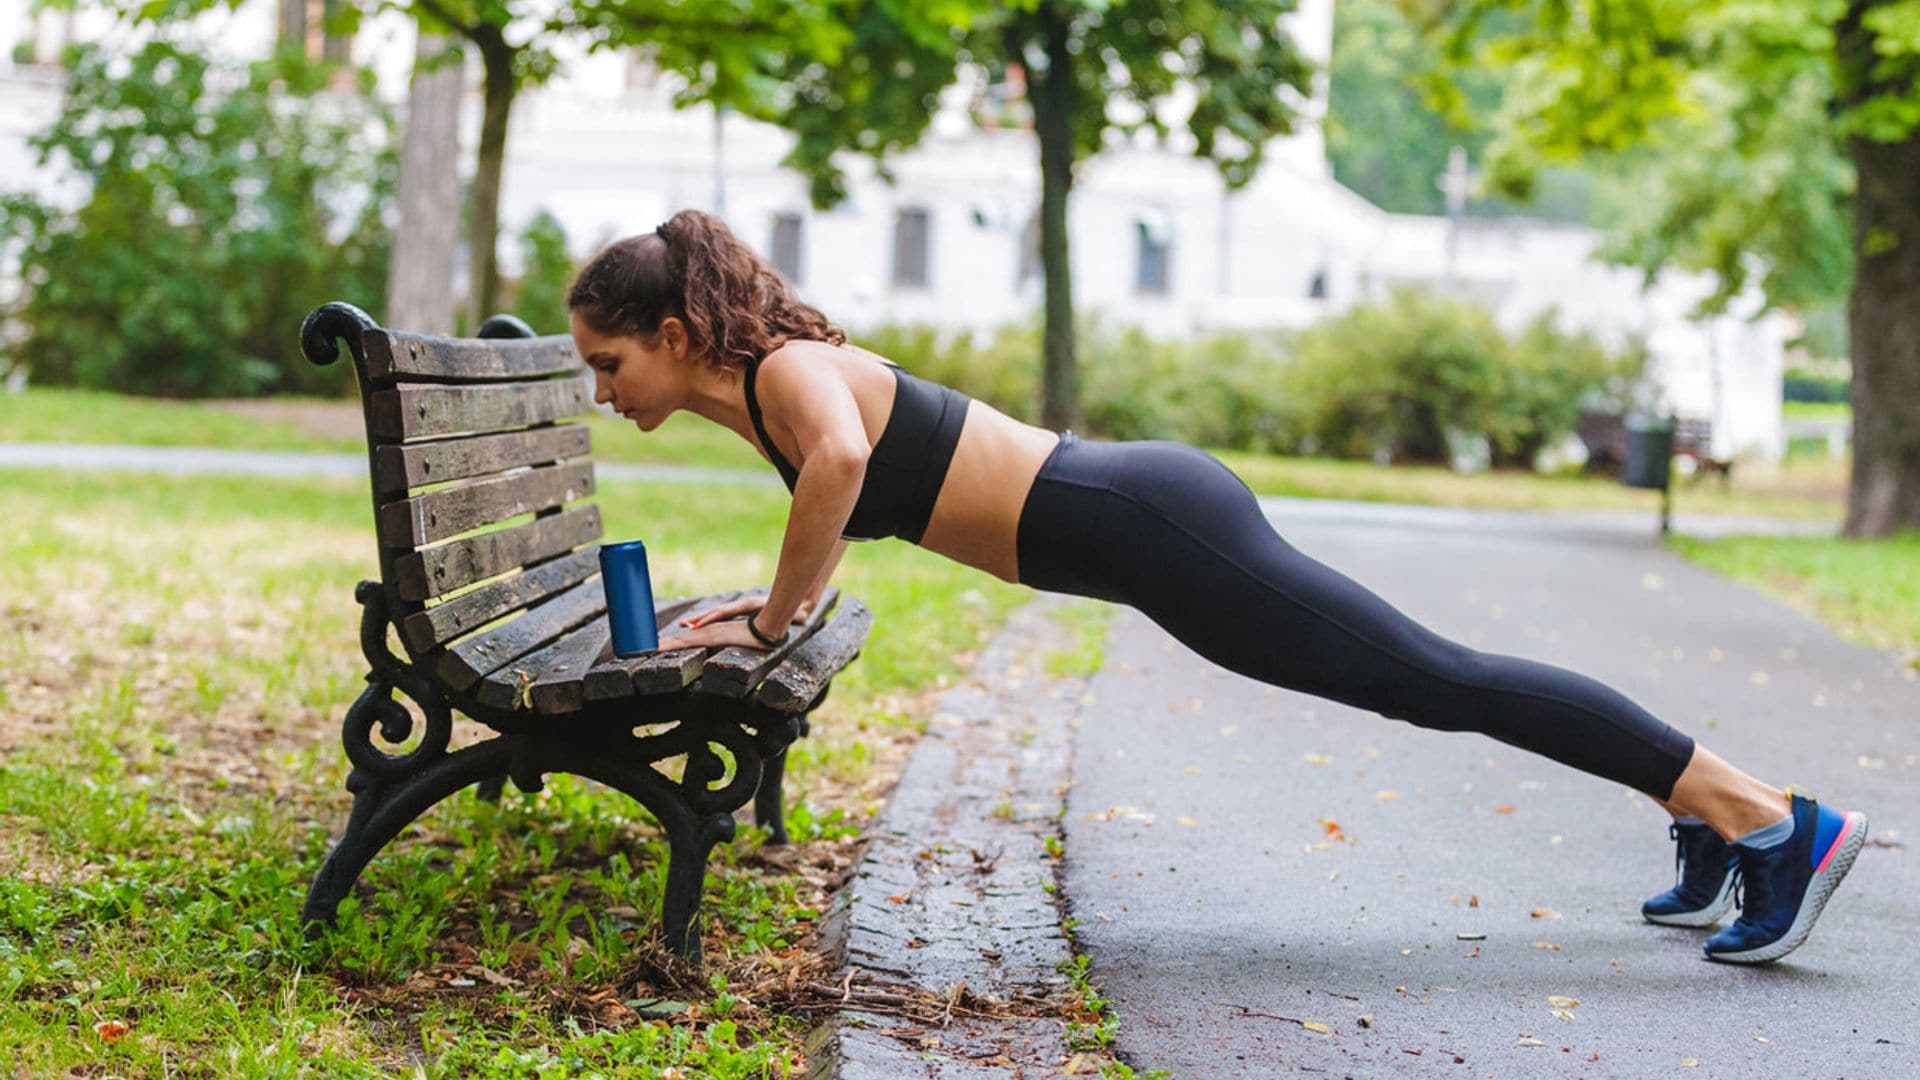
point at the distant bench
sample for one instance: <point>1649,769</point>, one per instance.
<point>489,577</point>
<point>1605,436</point>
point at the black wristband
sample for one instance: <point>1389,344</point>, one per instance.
<point>763,639</point>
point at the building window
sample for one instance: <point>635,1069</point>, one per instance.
<point>1156,255</point>
<point>911,229</point>
<point>786,246</point>
<point>1317,288</point>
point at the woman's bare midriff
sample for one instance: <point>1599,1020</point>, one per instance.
<point>976,518</point>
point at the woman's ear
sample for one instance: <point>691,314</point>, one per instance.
<point>673,336</point>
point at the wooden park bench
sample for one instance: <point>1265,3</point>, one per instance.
<point>1605,436</point>
<point>489,579</point>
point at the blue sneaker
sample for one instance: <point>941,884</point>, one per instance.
<point>1706,866</point>
<point>1786,885</point>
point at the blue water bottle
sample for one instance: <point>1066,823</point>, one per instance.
<point>623,573</point>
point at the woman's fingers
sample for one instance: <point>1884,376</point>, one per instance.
<point>725,611</point>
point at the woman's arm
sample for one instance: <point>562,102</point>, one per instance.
<point>812,599</point>
<point>819,408</point>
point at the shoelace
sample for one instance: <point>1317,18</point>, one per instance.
<point>1679,851</point>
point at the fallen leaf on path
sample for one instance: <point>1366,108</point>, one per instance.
<point>1506,809</point>
<point>1544,913</point>
<point>1315,1025</point>
<point>1385,796</point>
<point>1761,1039</point>
<point>1332,828</point>
<point>1563,1014</point>
<point>1317,760</point>
<point>1563,1002</point>
<point>1690,1062</point>
<point>1546,945</point>
<point>1528,1040</point>
<point>1470,936</point>
<point>1187,821</point>
<point>1474,900</point>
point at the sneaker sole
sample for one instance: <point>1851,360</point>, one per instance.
<point>1818,892</point>
<point>1706,916</point>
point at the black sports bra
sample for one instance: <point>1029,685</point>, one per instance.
<point>906,467</point>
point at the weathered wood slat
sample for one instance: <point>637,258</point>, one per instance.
<point>422,630</point>
<point>398,466</point>
<point>476,657</point>
<point>654,672</point>
<point>397,354</point>
<point>436,571</point>
<point>561,687</point>
<point>437,515</point>
<point>511,687</point>
<point>734,671</point>
<point>410,411</point>
<point>797,682</point>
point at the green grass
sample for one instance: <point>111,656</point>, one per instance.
<point>1867,590</point>
<point>91,416</point>
<point>1817,410</point>
<point>1812,490</point>
<point>175,659</point>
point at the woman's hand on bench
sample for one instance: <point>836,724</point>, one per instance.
<point>745,605</point>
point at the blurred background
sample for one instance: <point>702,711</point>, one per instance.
<point>259,155</point>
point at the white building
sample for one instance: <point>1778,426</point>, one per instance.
<point>1156,239</point>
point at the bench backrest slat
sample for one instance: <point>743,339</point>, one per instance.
<point>423,519</point>
<point>467,612</point>
<point>436,571</point>
<point>410,465</point>
<point>396,355</point>
<point>475,483</point>
<point>406,412</point>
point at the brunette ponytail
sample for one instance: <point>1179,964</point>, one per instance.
<point>736,306</point>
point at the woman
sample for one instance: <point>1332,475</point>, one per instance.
<point>687,317</point>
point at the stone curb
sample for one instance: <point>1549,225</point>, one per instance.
<point>951,888</point>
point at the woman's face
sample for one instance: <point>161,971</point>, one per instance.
<point>644,384</point>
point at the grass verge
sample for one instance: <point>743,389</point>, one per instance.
<point>1868,591</point>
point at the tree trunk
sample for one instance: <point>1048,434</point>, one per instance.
<point>1053,93</point>
<point>420,278</point>
<point>1883,320</point>
<point>497,92</point>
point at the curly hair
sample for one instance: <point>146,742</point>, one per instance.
<point>735,305</point>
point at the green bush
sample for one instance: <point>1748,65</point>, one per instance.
<point>222,203</point>
<point>1220,392</point>
<point>1407,378</point>
<point>1799,384</point>
<point>540,296</point>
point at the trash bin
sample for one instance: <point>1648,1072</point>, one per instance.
<point>1649,452</point>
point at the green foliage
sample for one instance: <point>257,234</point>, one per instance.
<point>1800,385</point>
<point>221,205</point>
<point>540,296</point>
<point>1405,379</point>
<point>1732,118</point>
<point>1384,140</point>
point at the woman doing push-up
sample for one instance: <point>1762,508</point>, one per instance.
<point>688,317</point>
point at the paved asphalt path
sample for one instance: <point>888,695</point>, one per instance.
<point>1220,913</point>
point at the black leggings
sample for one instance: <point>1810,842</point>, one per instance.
<point>1169,530</point>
